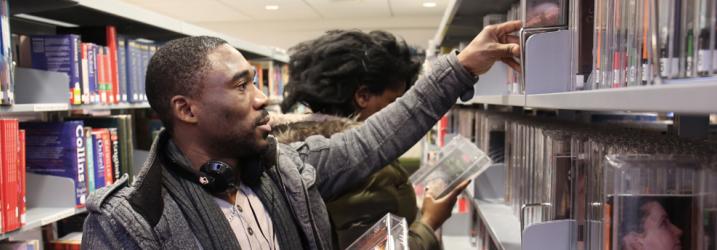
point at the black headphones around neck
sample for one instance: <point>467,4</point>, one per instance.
<point>216,177</point>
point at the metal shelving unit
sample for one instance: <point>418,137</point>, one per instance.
<point>38,217</point>
<point>132,21</point>
<point>502,224</point>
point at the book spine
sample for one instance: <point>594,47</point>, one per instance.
<point>144,58</point>
<point>93,95</point>
<point>75,77</point>
<point>132,71</point>
<point>101,75</point>
<point>85,70</point>
<point>78,165</point>
<point>108,76</point>
<point>98,158</point>
<point>6,70</point>
<point>122,67</point>
<point>114,137</point>
<point>22,177</point>
<point>107,157</point>
<point>112,47</point>
<point>10,209</point>
<point>90,169</point>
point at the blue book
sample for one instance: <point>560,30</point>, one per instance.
<point>59,53</point>
<point>122,67</point>
<point>92,50</point>
<point>57,149</point>
<point>133,70</point>
<point>98,157</point>
<point>144,60</point>
<point>90,169</point>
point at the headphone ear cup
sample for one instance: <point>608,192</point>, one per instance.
<point>219,176</point>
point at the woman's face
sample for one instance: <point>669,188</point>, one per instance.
<point>658,232</point>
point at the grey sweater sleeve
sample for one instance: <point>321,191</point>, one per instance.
<point>347,158</point>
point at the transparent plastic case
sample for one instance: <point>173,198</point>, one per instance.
<point>389,233</point>
<point>653,202</point>
<point>461,161</point>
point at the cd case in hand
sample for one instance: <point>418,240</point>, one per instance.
<point>461,161</point>
<point>389,233</point>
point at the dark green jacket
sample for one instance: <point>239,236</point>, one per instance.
<point>386,191</point>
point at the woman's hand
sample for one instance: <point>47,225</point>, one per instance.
<point>436,211</point>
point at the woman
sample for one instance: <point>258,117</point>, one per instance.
<point>350,75</point>
<point>650,227</point>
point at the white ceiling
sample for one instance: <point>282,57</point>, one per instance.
<point>300,20</point>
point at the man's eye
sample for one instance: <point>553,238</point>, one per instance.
<point>242,85</point>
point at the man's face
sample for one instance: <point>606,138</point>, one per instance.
<point>659,232</point>
<point>231,109</point>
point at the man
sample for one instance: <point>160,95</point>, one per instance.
<point>214,117</point>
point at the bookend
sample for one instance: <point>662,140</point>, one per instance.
<point>546,66</point>
<point>554,235</point>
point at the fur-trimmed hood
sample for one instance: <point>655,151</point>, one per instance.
<point>288,128</point>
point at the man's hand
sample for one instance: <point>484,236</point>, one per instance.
<point>494,43</point>
<point>436,211</point>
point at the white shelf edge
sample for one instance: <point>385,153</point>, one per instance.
<point>697,95</point>
<point>138,14</point>
<point>54,107</point>
<point>687,96</point>
<point>502,224</point>
<point>40,216</point>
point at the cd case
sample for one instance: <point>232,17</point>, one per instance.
<point>389,233</point>
<point>461,160</point>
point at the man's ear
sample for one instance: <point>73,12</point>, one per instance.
<point>183,109</point>
<point>362,97</point>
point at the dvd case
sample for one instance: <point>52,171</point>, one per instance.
<point>389,233</point>
<point>652,202</point>
<point>459,163</point>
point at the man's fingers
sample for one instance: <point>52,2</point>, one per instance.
<point>509,39</point>
<point>508,50</point>
<point>508,27</point>
<point>511,63</point>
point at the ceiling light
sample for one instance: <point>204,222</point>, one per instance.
<point>271,7</point>
<point>429,4</point>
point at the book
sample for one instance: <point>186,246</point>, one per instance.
<point>6,55</point>
<point>20,245</point>
<point>60,53</point>
<point>90,163</point>
<point>390,233</point>
<point>114,138</point>
<point>58,149</point>
<point>70,241</point>
<point>105,36</point>
<point>93,73</point>
<point>133,57</point>
<point>9,139</point>
<point>22,180</point>
<point>98,158</point>
<point>107,155</point>
<point>125,134</point>
<point>122,67</point>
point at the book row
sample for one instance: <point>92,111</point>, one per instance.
<point>613,181</point>
<point>103,66</point>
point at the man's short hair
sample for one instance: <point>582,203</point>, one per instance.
<point>177,68</point>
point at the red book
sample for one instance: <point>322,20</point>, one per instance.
<point>22,177</point>
<point>107,156</point>
<point>442,130</point>
<point>9,144</point>
<point>111,33</point>
<point>101,79</point>
<point>109,87</point>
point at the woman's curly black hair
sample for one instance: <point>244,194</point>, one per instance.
<point>325,72</point>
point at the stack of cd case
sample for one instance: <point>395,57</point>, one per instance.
<point>389,233</point>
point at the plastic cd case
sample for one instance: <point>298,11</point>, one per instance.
<point>652,202</point>
<point>389,233</point>
<point>461,161</point>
